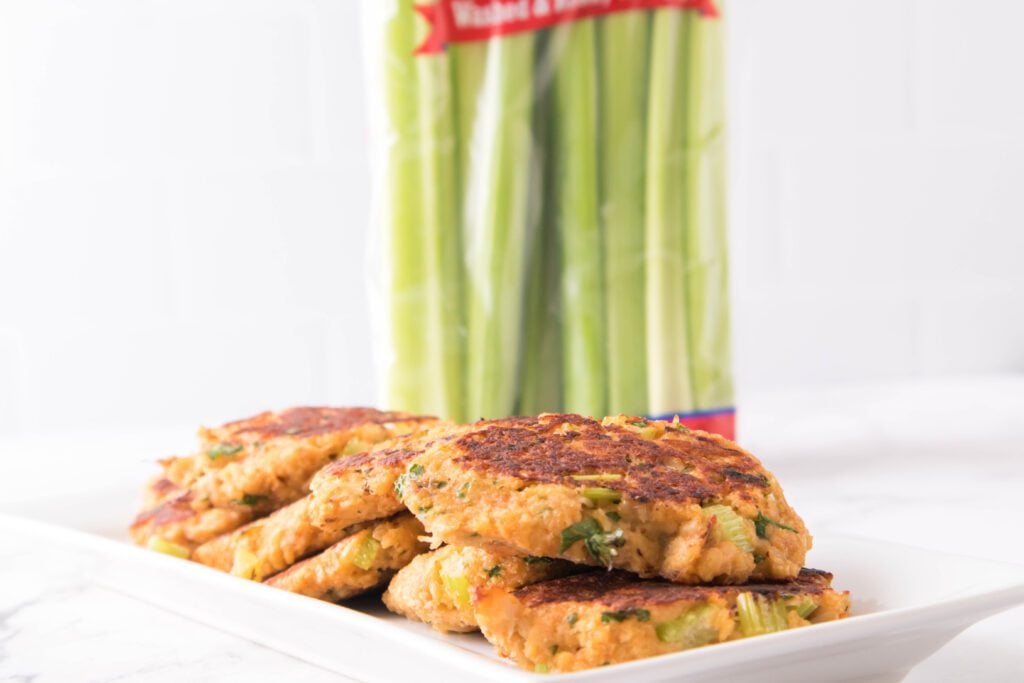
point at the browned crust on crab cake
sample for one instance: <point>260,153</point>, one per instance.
<point>159,490</point>
<point>178,522</point>
<point>600,618</point>
<point>360,562</point>
<point>438,588</point>
<point>277,541</point>
<point>361,487</point>
<point>528,486</point>
<point>267,460</point>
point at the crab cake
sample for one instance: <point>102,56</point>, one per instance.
<point>267,461</point>
<point>650,497</point>
<point>178,523</point>
<point>439,587</point>
<point>275,542</point>
<point>362,486</point>
<point>356,564</point>
<point>602,618</point>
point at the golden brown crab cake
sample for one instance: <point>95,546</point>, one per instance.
<point>276,541</point>
<point>649,497</point>
<point>360,562</point>
<point>599,618</point>
<point>177,523</point>
<point>439,588</point>
<point>266,461</point>
<point>362,487</point>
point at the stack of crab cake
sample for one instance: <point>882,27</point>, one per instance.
<point>241,502</point>
<point>535,511</point>
<point>567,541</point>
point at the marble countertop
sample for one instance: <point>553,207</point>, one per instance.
<point>936,464</point>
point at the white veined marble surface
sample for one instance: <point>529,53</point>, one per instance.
<point>937,464</point>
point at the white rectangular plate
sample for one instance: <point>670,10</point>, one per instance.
<point>907,602</point>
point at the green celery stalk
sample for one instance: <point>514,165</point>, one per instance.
<point>540,382</point>
<point>671,188</point>
<point>403,243</point>
<point>623,40</point>
<point>468,64</point>
<point>497,225</point>
<point>576,199</point>
<point>541,376</point>
<point>706,244</point>
<point>469,61</point>
<point>443,392</point>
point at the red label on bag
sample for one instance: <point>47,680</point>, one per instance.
<point>715,421</point>
<point>463,21</point>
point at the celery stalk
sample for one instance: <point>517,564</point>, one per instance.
<point>600,494</point>
<point>758,615</point>
<point>457,588</point>
<point>497,219</point>
<point>540,384</point>
<point>443,392</point>
<point>576,197</point>
<point>692,628</point>
<point>166,547</point>
<point>469,61</point>
<point>805,608</point>
<point>731,526</point>
<point>366,552</point>
<point>707,287</point>
<point>247,565</point>
<point>623,40</point>
<point>403,244</point>
<point>541,376</point>
<point>670,191</point>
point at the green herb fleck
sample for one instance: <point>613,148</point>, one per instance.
<point>640,614</point>
<point>601,545</point>
<point>463,490</point>
<point>612,515</point>
<point>638,423</point>
<point>252,499</point>
<point>400,484</point>
<point>572,619</point>
<point>494,571</point>
<point>553,649</point>
<point>425,508</point>
<point>223,449</point>
<point>578,532</point>
<point>533,559</point>
<point>414,471</point>
<point>761,524</point>
<point>440,484</point>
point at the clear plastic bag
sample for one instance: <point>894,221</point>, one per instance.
<point>548,221</point>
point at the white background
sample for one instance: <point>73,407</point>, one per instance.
<point>184,199</point>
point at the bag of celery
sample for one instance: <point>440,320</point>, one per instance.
<point>549,208</point>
